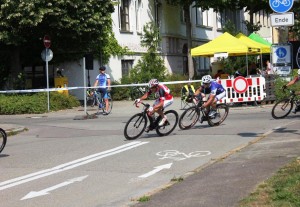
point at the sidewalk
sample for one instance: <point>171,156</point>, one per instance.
<point>226,181</point>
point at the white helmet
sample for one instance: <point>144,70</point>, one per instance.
<point>298,71</point>
<point>206,79</point>
<point>153,82</point>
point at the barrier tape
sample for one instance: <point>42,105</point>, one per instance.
<point>239,89</point>
<point>79,87</point>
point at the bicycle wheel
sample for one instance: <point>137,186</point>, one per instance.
<point>282,108</point>
<point>170,124</point>
<point>110,102</point>
<point>222,112</point>
<point>189,118</point>
<point>3,138</point>
<point>135,126</point>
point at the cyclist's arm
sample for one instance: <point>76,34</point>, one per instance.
<point>108,84</point>
<point>198,91</point>
<point>292,81</point>
<point>96,83</point>
<point>209,101</point>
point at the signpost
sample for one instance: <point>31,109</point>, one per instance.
<point>47,55</point>
<point>281,53</point>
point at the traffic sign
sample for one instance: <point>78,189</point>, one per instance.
<point>281,54</point>
<point>47,55</point>
<point>285,19</point>
<point>47,41</point>
<point>240,84</point>
<point>281,6</point>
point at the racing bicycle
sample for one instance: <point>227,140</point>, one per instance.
<point>191,115</point>
<point>283,107</point>
<point>3,139</point>
<point>95,98</point>
<point>136,125</point>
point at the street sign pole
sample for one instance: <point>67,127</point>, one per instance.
<point>47,43</point>
<point>47,74</point>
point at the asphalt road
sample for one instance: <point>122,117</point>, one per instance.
<point>61,161</point>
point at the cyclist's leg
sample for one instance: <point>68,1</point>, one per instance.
<point>161,113</point>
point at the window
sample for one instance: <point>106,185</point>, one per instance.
<point>126,66</point>
<point>138,10</point>
<point>124,15</point>
<point>202,17</point>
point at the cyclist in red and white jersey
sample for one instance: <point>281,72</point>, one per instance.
<point>292,82</point>
<point>164,99</point>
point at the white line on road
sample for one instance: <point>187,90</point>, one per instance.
<point>68,165</point>
<point>156,169</point>
<point>46,191</point>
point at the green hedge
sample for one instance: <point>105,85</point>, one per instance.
<point>35,103</point>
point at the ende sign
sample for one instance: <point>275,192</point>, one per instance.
<point>286,19</point>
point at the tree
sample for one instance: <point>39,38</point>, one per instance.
<point>151,65</point>
<point>75,28</point>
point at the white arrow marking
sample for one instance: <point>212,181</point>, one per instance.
<point>46,191</point>
<point>69,165</point>
<point>156,169</point>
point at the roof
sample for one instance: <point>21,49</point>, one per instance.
<point>254,44</point>
<point>225,43</point>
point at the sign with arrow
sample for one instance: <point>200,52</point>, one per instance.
<point>156,170</point>
<point>46,191</point>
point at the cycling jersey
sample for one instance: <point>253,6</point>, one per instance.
<point>162,93</point>
<point>214,88</point>
<point>102,80</point>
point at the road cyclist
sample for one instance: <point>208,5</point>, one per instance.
<point>103,86</point>
<point>205,110</point>
<point>164,124</point>
<point>295,80</point>
<point>163,100</point>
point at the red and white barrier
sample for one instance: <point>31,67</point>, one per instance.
<point>242,89</point>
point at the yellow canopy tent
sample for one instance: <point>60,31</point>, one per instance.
<point>225,43</point>
<point>263,48</point>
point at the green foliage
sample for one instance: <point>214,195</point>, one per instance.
<point>151,65</point>
<point>252,27</point>
<point>35,103</point>
<point>230,28</point>
<point>75,27</point>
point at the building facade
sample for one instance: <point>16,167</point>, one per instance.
<point>131,15</point>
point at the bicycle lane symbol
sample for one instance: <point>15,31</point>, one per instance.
<point>281,6</point>
<point>178,156</point>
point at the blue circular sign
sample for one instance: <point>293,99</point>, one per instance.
<point>281,52</point>
<point>281,6</point>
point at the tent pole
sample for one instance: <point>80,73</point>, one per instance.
<point>247,64</point>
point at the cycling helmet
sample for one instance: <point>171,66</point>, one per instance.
<point>153,82</point>
<point>102,68</point>
<point>206,79</point>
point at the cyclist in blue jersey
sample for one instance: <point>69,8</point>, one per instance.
<point>103,84</point>
<point>215,91</point>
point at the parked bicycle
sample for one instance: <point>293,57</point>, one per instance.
<point>137,91</point>
<point>136,125</point>
<point>283,107</point>
<point>3,139</point>
<point>191,115</point>
<point>95,99</point>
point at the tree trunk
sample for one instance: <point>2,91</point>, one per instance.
<point>189,40</point>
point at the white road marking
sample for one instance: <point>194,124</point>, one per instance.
<point>68,165</point>
<point>46,191</point>
<point>156,169</point>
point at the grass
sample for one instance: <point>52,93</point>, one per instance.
<point>281,190</point>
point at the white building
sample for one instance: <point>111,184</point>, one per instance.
<point>131,15</point>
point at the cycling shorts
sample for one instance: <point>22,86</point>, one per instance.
<point>103,92</point>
